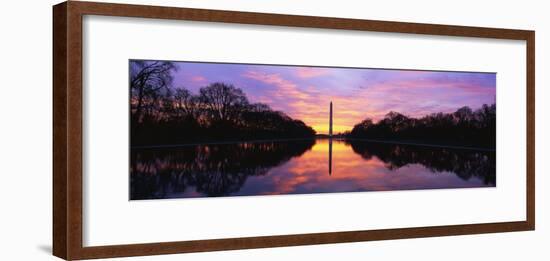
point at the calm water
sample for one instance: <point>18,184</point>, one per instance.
<point>307,166</point>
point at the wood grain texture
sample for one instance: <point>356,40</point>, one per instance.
<point>67,129</point>
<point>60,131</point>
<point>531,130</point>
<point>74,127</point>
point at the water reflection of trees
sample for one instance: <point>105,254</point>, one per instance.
<point>464,163</point>
<point>213,170</point>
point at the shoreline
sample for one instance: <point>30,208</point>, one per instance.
<point>409,143</point>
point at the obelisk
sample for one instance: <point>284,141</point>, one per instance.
<point>330,121</point>
<point>330,142</point>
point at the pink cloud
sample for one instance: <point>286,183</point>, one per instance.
<point>415,97</point>
<point>419,97</point>
<point>286,88</point>
<point>198,79</point>
<point>308,104</point>
<point>310,72</point>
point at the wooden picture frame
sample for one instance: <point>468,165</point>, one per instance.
<point>68,118</point>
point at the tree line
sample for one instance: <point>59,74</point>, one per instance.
<point>164,114</point>
<point>462,127</point>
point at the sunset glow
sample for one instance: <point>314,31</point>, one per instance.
<point>202,129</point>
<point>304,93</point>
<point>309,173</point>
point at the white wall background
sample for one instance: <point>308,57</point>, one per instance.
<point>25,130</point>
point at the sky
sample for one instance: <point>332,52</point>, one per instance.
<point>305,93</point>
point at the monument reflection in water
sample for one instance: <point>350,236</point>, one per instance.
<point>303,166</point>
<point>207,129</point>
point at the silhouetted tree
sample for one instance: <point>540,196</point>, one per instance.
<point>147,79</point>
<point>223,101</point>
<point>463,127</point>
<point>186,104</point>
<point>162,114</point>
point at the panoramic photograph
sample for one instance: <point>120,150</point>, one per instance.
<point>202,129</point>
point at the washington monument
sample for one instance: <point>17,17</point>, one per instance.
<point>330,142</point>
<point>330,122</point>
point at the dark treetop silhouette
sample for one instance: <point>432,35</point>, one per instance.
<point>162,114</point>
<point>219,112</point>
<point>216,142</point>
<point>462,127</point>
